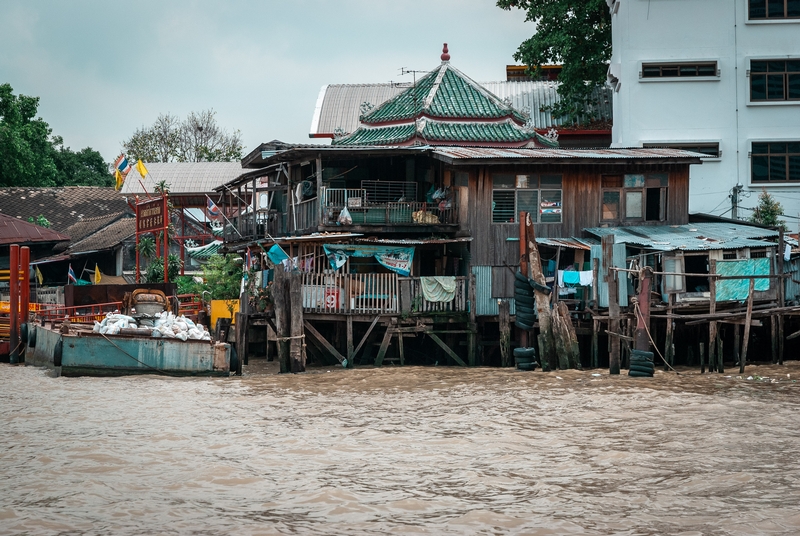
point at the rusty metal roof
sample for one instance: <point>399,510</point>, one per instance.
<point>690,237</point>
<point>457,155</point>
<point>15,231</point>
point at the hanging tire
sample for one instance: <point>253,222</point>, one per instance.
<point>524,309</point>
<point>32,337</point>
<point>528,366</point>
<point>523,325</point>
<point>23,332</point>
<point>639,368</point>
<point>58,350</point>
<point>519,276</point>
<point>524,360</point>
<point>525,351</point>
<point>527,319</point>
<point>642,354</point>
<point>528,292</point>
<point>527,301</point>
<point>637,374</point>
<point>640,361</point>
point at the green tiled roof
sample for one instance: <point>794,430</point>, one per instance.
<point>445,92</point>
<point>202,253</point>
<point>443,131</point>
<point>377,136</point>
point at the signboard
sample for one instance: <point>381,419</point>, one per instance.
<point>151,215</point>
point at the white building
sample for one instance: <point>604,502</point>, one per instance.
<point>718,76</point>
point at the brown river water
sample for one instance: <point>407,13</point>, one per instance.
<point>412,450</point>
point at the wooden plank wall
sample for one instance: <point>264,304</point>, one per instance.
<point>581,198</point>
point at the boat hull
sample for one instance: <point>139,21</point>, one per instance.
<point>97,355</point>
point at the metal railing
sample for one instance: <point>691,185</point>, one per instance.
<point>77,313</point>
<point>350,293</point>
<point>306,215</point>
<point>364,212</point>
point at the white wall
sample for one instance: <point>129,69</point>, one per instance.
<point>703,110</point>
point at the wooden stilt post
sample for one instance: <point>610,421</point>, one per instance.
<point>712,325</point>
<point>747,319</point>
<point>781,294</point>
<point>737,344</point>
<point>702,358</point>
<point>505,332</point>
<point>595,323</point>
<point>523,267</point>
<point>400,349</point>
<point>387,337</point>
<point>547,347</point>
<point>720,354</point>
<point>282,321</point>
<point>642,338</point>
<point>350,351</point>
<point>296,353</point>
<point>669,346</point>
<point>607,244</point>
<point>472,336</point>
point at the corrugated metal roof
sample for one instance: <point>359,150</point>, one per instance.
<point>571,242</point>
<point>691,237</point>
<point>339,105</point>
<point>453,154</point>
<point>14,231</point>
<point>413,241</point>
<point>182,177</point>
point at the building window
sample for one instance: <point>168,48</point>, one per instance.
<point>710,149</point>
<point>539,195</point>
<point>774,9</point>
<point>632,198</point>
<point>774,80</point>
<point>679,70</point>
<point>775,161</point>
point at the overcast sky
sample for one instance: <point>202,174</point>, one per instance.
<point>103,68</point>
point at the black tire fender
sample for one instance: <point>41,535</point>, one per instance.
<point>58,351</point>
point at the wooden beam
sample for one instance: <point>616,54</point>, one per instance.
<point>349,338</point>
<point>505,333</point>
<point>296,353</point>
<point>447,349</point>
<point>400,349</point>
<point>328,346</point>
<point>384,346</point>
<point>366,335</point>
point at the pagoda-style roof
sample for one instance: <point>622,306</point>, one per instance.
<point>444,107</point>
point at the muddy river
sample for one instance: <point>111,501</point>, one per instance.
<point>412,450</point>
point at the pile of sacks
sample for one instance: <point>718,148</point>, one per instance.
<point>165,324</point>
<point>113,322</point>
<point>178,327</point>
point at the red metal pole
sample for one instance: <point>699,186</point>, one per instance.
<point>25,283</point>
<point>137,240</point>
<point>166,240</point>
<point>13,283</point>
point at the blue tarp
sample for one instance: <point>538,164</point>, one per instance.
<point>736,289</point>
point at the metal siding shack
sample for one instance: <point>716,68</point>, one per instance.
<point>487,305</point>
<point>618,261</point>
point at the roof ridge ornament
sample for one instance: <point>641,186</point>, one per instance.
<point>445,53</point>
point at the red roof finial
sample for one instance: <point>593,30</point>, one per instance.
<point>445,55</point>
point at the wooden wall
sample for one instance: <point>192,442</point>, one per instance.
<point>581,200</point>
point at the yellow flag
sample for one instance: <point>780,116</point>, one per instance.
<point>39,276</point>
<point>97,275</point>
<point>120,179</point>
<point>141,169</point>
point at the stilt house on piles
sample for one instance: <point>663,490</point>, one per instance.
<point>409,227</point>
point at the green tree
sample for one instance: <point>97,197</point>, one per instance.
<point>768,211</point>
<point>83,168</point>
<point>198,138</point>
<point>223,276</point>
<point>30,157</point>
<point>155,271</point>
<point>576,34</point>
<point>26,154</point>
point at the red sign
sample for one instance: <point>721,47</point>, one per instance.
<point>151,215</point>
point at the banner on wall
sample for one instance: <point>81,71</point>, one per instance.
<point>396,259</point>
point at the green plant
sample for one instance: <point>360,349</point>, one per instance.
<point>155,272</point>
<point>39,220</point>
<point>223,277</point>
<point>768,211</point>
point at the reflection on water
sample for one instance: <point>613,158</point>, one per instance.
<point>401,450</point>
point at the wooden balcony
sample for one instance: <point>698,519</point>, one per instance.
<point>399,213</point>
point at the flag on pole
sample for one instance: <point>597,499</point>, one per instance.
<point>120,179</point>
<point>122,164</point>
<point>212,208</point>
<point>97,275</point>
<point>39,276</point>
<point>141,169</point>
<point>71,276</point>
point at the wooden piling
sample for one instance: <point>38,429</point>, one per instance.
<point>547,352</point>
<point>505,332</point>
<point>296,353</point>
<point>642,338</point>
<point>748,317</point>
<point>282,320</point>
<point>595,323</point>
<point>702,358</point>
<point>523,268</point>
<point>737,344</point>
<point>781,294</point>
<point>669,346</point>
<point>712,325</point>
<point>607,244</point>
<point>349,338</point>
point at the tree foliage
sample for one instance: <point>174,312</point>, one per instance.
<point>30,157</point>
<point>768,211</point>
<point>576,34</point>
<point>223,276</point>
<point>198,138</point>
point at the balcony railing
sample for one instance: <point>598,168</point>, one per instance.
<point>364,212</point>
<point>350,293</point>
<point>338,293</point>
